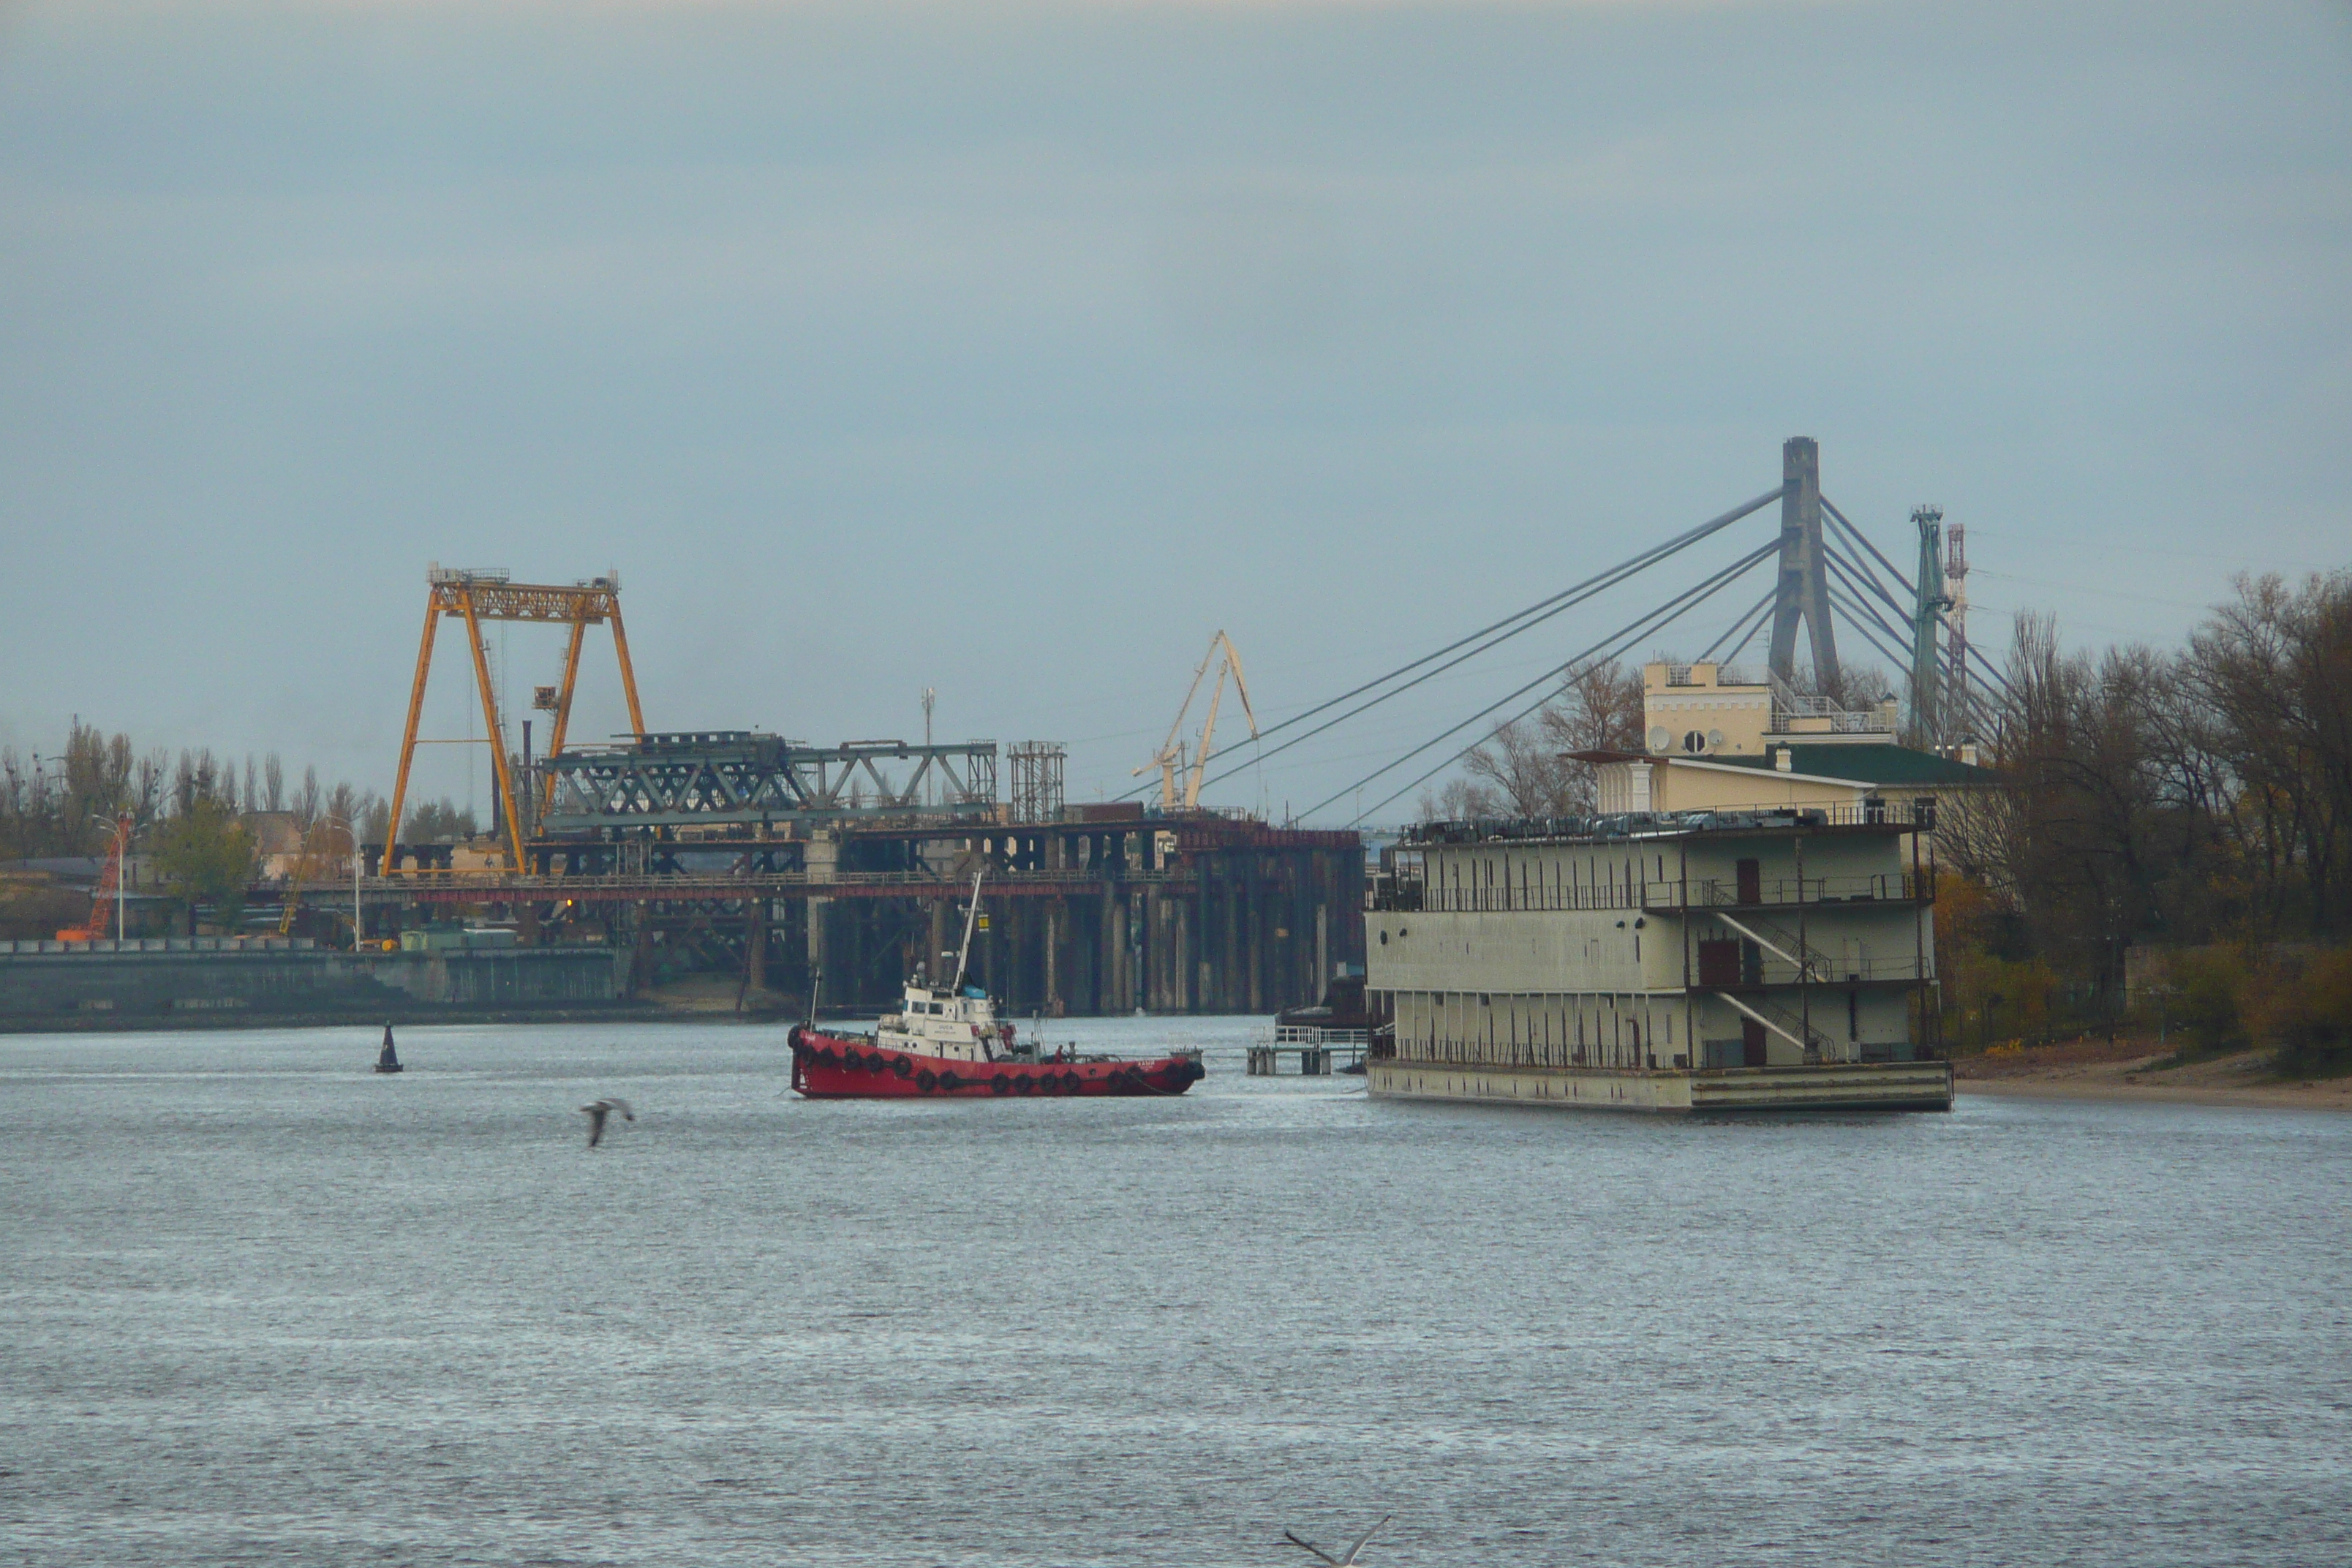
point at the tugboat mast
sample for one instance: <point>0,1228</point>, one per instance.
<point>970,915</point>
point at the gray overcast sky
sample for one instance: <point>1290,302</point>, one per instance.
<point>1013,350</point>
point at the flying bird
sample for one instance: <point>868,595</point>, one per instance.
<point>1337,1562</point>
<point>599,1109</point>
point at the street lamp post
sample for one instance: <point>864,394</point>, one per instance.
<point>353,830</point>
<point>121,827</point>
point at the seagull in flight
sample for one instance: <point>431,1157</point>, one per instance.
<point>599,1109</point>
<point>1346,1562</point>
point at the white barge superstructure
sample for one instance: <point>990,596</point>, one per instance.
<point>1768,959</point>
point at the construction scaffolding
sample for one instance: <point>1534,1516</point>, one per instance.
<point>1036,767</point>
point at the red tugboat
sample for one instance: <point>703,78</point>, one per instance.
<point>945,1042</point>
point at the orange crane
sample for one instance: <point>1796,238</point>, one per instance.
<point>302,862</point>
<point>475,596</point>
<point>108,886</point>
<point>1171,759</point>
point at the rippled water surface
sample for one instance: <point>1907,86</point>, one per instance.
<point>260,1305</point>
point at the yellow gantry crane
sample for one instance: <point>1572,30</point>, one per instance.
<point>473,597</point>
<point>303,863</point>
<point>1171,759</point>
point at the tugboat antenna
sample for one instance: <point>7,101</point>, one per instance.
<point>970,915</point>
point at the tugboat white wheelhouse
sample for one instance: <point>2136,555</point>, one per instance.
<point>1770,959</point>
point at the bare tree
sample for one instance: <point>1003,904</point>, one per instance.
<point>1460,800</point>
<point>1599,709</point>
<point>2084,796</point>
<point>1524,774</point>
<point>1526,768</point>
<point>149,786</point>
<point>1859,688</point>
<point>2273,672</point>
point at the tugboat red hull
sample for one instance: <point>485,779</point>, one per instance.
<point>834,1067</point>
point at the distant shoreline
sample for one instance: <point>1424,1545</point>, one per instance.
<point>238,1018</point>
<point>2125,1071</point>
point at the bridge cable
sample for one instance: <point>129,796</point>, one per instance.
<point>1857,610</point>
<point>1846,567</point>
<point>1741,646</point>
<point>1672,610</point>
<point>1758,624</point>
<point>1634,562</point>
<point>1758,610</point>
<point>1556,604</point>
<point>1854,579</point>
<point>1990,670</point>
<point>1632,631</point>
<point>1863,578</point>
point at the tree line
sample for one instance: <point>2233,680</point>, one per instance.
<point>2195,800</point>
<point>191,816</point>
<point>66,803</point>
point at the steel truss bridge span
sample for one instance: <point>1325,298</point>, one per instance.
<point>742,779</point>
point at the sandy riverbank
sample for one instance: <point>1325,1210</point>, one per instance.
<point>2094,1069</point>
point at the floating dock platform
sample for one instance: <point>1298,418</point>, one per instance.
<point>1846,1086</point>
<point>1308,1050</point>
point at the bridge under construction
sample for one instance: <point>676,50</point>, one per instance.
<point>799,868</point>
<point>1108,914</point>
<point>836,872</point>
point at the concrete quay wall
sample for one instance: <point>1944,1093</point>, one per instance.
<point>93,988</point>
<point>1853,1085</point>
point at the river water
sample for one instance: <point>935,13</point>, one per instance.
<point>262,1306</point>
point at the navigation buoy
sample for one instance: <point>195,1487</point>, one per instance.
<point>387,1059</point>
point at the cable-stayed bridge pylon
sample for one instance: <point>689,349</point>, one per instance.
<point>1819,569</point>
